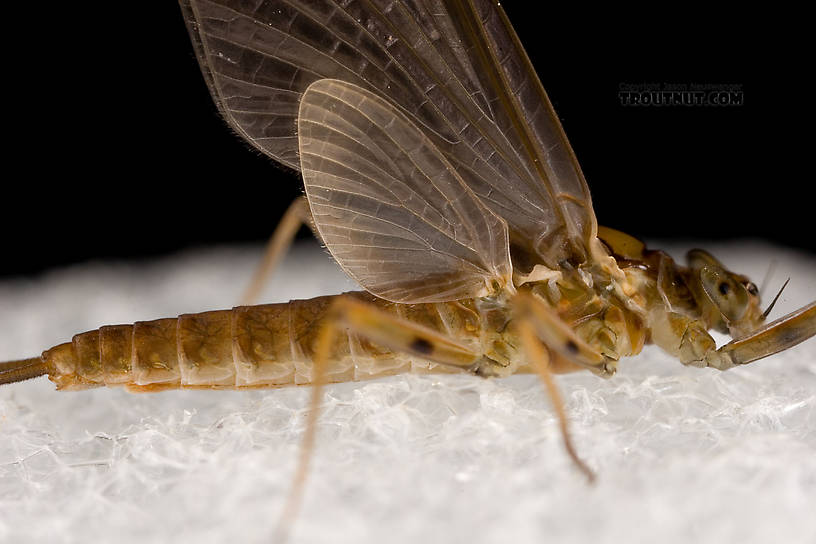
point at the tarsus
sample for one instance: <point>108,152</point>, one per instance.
<point>24,369</point>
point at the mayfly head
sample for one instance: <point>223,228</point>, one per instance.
<point>729,301</point>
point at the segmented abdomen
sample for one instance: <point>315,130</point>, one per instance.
<point>248,346</point>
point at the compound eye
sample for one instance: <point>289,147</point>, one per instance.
<point>752,289</point>
<point>728,295</point>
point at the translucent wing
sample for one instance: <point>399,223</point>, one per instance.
<point>391,209</point>
<point>455,68</point>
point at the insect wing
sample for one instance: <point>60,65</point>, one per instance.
<point>391,209</point>
<point>455,68</point>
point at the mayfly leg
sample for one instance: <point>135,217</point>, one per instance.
<point>782,334</point>
<point>377,326</point>
<point>559,337</point>
<point>296,215</point>
<point>534,319</point>
<point>539,356</point>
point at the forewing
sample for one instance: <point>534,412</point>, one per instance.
<point>391,209</point>
<point>455,68</point>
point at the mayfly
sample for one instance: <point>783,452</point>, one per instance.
<point>439,177</point>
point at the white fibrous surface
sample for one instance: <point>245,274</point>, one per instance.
<point>682,454</point>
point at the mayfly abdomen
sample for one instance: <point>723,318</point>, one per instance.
<point>248,346</point>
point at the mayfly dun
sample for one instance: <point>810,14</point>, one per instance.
<point>438,175</point>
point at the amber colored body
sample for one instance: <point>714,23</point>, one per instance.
<point>272,345</point>
<point>597,314</point>
<point>248,346</point>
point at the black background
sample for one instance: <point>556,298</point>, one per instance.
<point>118,151</point>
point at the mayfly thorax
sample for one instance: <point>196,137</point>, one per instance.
<point>439,177</point>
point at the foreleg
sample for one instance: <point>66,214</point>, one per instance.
<point>688,340</point>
